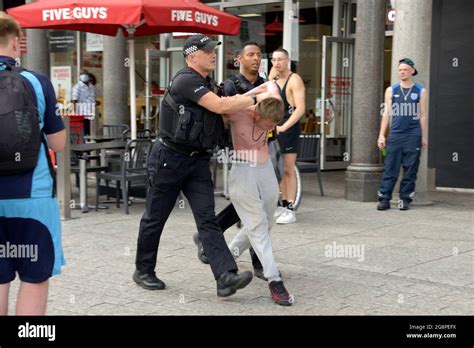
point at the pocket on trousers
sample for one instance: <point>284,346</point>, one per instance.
<point>413,145</point>
<point>161,174</point>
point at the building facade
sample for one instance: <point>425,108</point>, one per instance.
<point>322,39</point>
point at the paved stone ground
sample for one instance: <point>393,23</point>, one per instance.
<point>415,262</point>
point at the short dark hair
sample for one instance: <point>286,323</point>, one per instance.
<point>282,50</point>
<point>249,43</point>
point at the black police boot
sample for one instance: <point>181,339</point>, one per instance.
<point>201,255</point>
<point>383,205</point>
<point>148,281</point>
<point>228,282</point>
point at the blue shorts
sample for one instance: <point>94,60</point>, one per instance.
<point>30,239</point>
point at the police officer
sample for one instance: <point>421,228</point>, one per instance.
<point>249,59</point>
<point>190,125</point>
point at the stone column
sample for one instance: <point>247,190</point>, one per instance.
<point>412,38</point>
<point>37,59</point>
<point>364,172</point>
<point>116,109</point>
<point>63,177</point>
<point>38,49</point>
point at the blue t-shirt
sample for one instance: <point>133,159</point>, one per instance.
<point>406,109</point>
<point>37,183</point>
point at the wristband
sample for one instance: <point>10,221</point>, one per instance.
<point>254,97</point>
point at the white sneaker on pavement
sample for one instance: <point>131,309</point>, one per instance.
<point>288,217</point>
<point>279,210</point>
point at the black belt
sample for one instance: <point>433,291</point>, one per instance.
<point>174,148</point>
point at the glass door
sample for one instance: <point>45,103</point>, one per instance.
<point>261,22</point>
<point>335,104</point>
<point>157,77</point>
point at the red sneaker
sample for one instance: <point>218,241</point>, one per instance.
<point>279,293</point>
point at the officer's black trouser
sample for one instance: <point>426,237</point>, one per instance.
<point>168,174</point>
<point>229,217</point>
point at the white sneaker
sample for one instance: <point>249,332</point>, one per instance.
<point>279,210</point>
<point>288,217</point>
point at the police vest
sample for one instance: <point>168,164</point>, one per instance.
<point>238,84</point>
<point>190,127</point>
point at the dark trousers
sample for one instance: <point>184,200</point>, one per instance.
<point>402,150</point>
<point>87,127</point>
<point>168,174</point>
<point>229,217</point>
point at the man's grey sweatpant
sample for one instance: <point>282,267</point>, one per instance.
<point>254,193</point>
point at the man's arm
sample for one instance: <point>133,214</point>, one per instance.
<point>267,89</point>
<point>75,94</point>
<point>194,89</point>
<point>53,123</point>
<point>227,105</point>
<point>424,118</point>
<point>257,90</point>
<point>381,142</point>
<point>297,89</point>
<point>57,141</point>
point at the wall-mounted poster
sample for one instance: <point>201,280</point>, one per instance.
<point>94,42</point>
<point>61,78</point>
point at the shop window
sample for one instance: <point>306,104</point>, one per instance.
<point>260,23</point>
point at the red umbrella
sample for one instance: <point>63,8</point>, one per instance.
<point>107,16</point>
<point>133,17</point>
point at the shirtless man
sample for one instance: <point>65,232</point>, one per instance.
<point>292,92</point>
<point>253,185</point>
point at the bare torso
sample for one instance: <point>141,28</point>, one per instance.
<point>249,139</point>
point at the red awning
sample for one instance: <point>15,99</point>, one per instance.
<point>107,16</point>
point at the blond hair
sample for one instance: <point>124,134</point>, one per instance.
<point>271,108</point>
<point>9,29</point>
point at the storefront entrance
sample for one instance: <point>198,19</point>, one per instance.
<point>334,107</point>
<point>316,33</point>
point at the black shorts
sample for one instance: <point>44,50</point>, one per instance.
<point>27,248</point>
<point>289,140</point>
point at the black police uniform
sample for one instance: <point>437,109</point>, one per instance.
<point>238,84</point>
<point>181,163</point>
